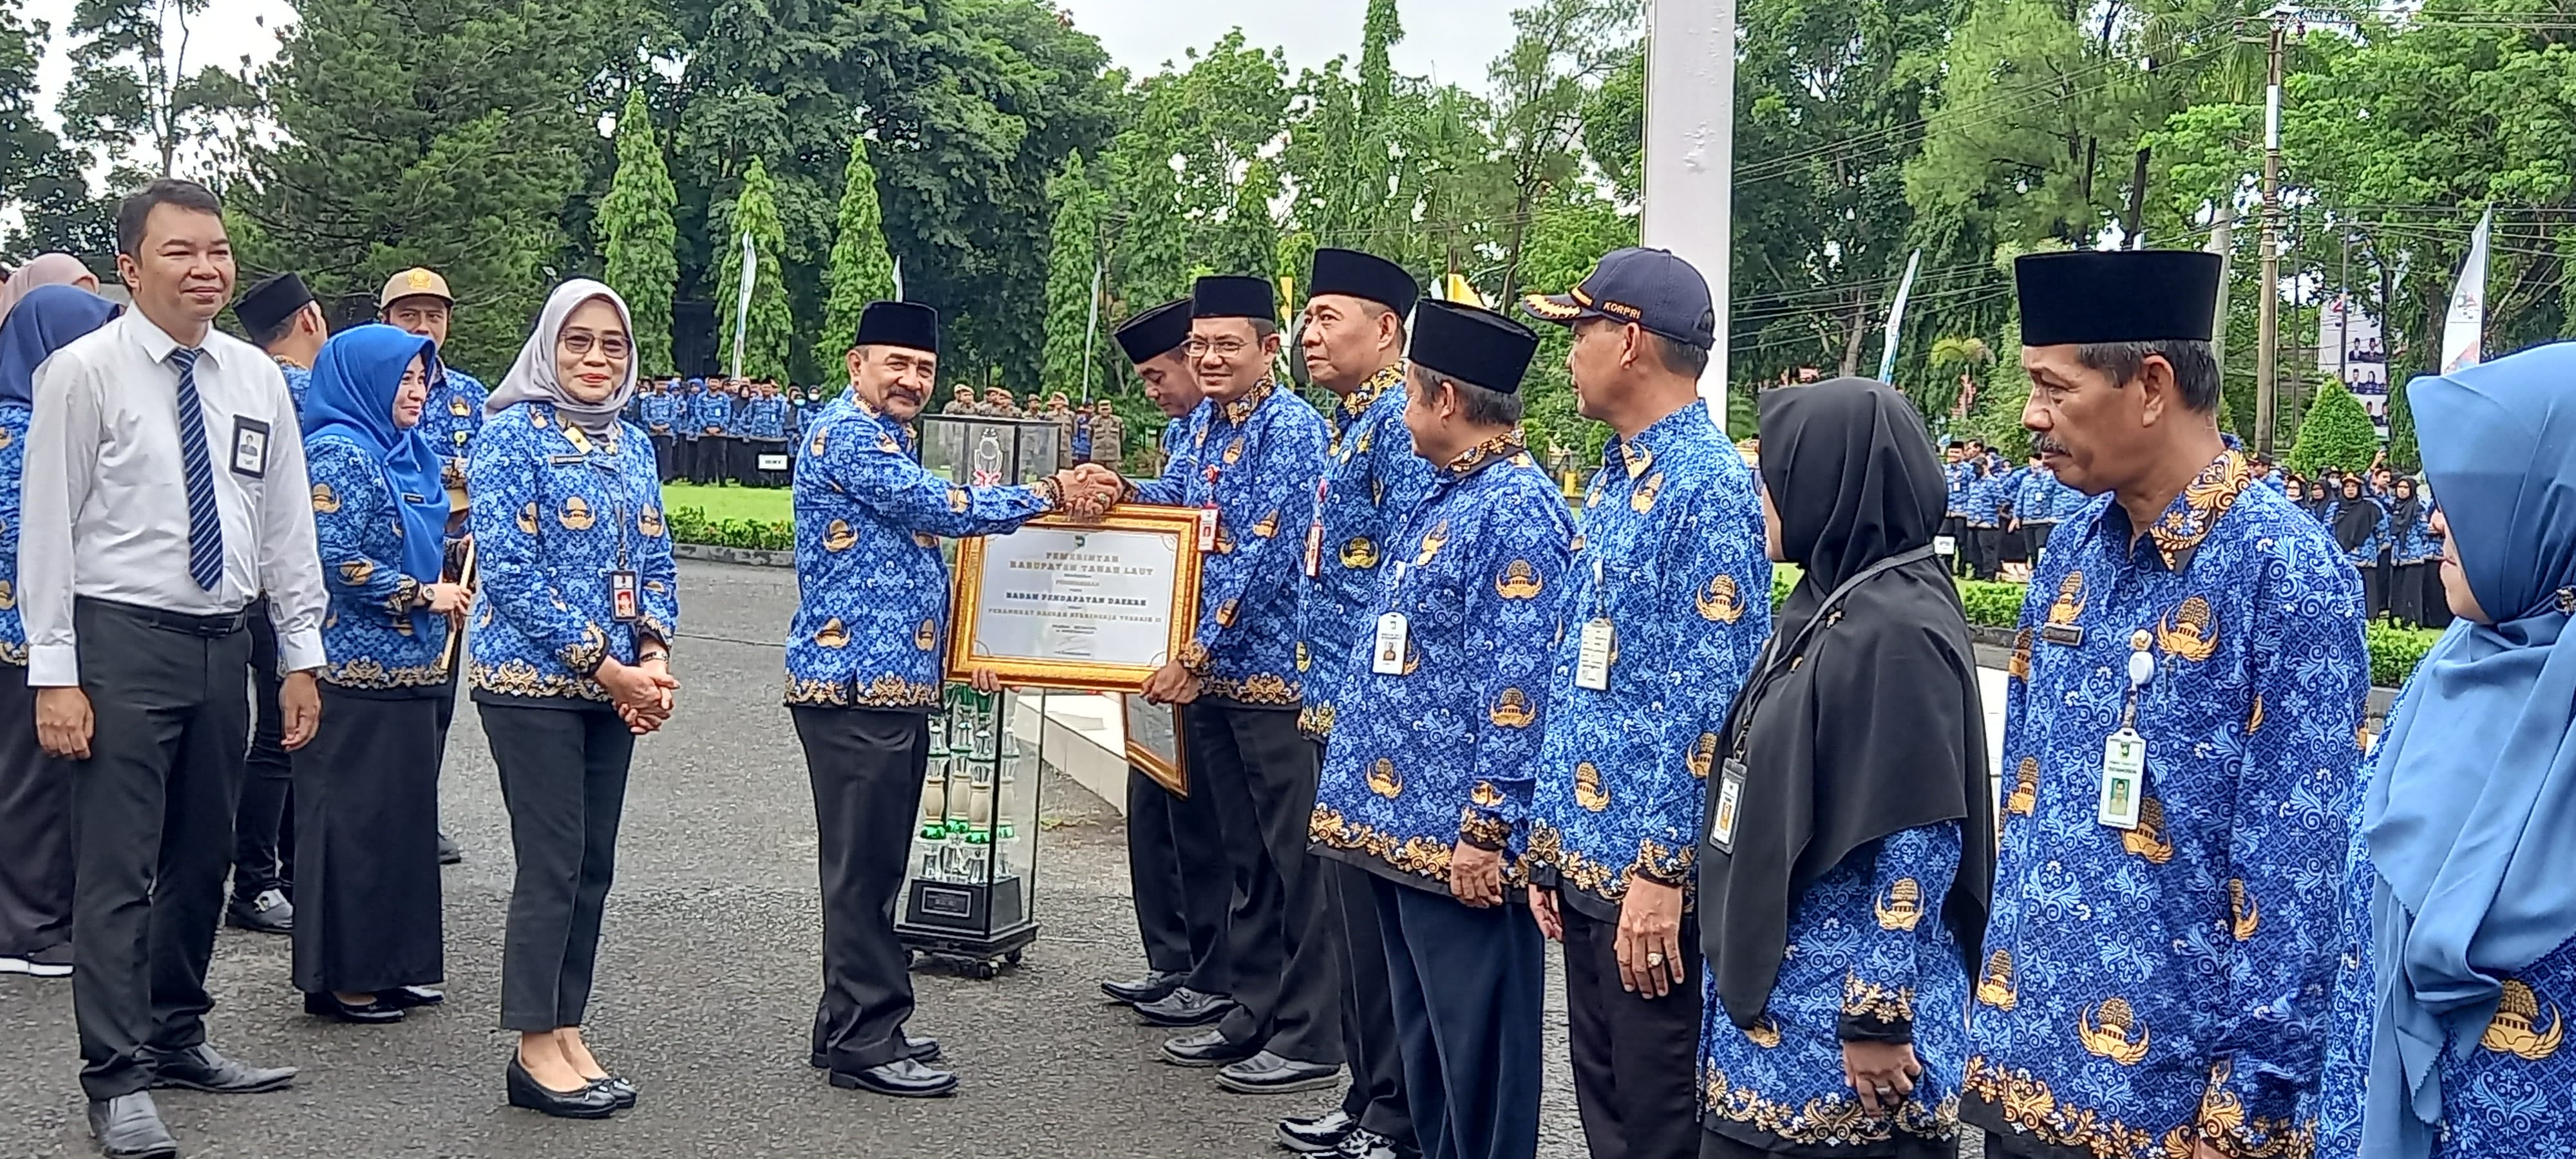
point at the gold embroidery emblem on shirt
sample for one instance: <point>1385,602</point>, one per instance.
<point>1225,613</point>
<point>536,418</point>
<point>1719,602</point>
<point>2019,666</point>
<point>1519,581</point>
<point>924,539</point>
<point>2025,792</point>
<point>2148,840</point>
<point>1636,458</point>
<point>1384,781</point>
<point>1432,541</point>
<point>357,572</point>
<point>1485,796</point>
<point>528,518</point>
<point>650,522</point>
<point>1702,756</point>
<point>1304,661</point>
<point>1902,908</point>
<point>837,536</point>
<point>1511,710</point>
<point>2189,632</point>
<point>1366,437</point>
<point>1644,500</point>
<point>832,634</point>
<point>325,500</point>
<point>2244,913</point>
<point>956,499</point>
<point>458,407</point>
<point>1359,554</point>
<point>575,515</point>
<point>1589,792</point>
<point>1995,986</point>
<point>8,595</point>
<point>1764,1032</point>
<point>2105,1030</point>
<point>887,443</point>
<point>1267,525</point>
<point>2070,600</point>
<point>926,635</point>
<point>2515,1029</point>
<point>818,442</point>
<point>6,440</point>
<point>1234,451</point>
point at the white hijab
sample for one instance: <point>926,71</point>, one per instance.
<point>532,377</point>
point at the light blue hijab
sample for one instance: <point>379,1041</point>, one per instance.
<point>2470,814</point>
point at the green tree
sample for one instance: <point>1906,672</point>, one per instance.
<point>1571,232</point>
<point>1175,172</point>
<point>770,325</point>
<point>133,98</point>
<point>862,269</point>
<point>37,175</point>
<point>2016,145</point>
<point>2336,433</point>
<point>635,228</point>
<point>1562,50</point>
<point>1248,241</point>
<point>2403,454</point>
<point>1072,263</point>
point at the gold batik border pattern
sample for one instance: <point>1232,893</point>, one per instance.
<point>886,691</point>
<point>1483,830</point>
<point>369,672</point>
<point>2026,1104</point>
<point>405,598</point>
<point>2224,1126</point>
<point>1864,999</point>
<point>1260,688</point>
<point>1420,856</point>
<point>1655,862</point>
<point>1315,721</point>
<point>13,654</point>
<point>1824,1122</point>
<point>520,678</point>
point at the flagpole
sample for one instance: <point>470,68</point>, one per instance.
<point>742,300</point>
<point>1091,328</point>
<point>1896,319</point>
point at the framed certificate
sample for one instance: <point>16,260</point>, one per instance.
<point>1065,603</point>
<point>1154,742</point>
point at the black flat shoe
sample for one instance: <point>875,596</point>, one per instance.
<point>923,1049</point>
<point>526,1093</point>
<point>901,1079</point>
<point>1186,1007</point>
<point>376,1012</point>
<point>129,1127</point>
<point>1206,1048</point>
<point>1155,986</point>
<point>618,1089</point>
<point>410,997</point>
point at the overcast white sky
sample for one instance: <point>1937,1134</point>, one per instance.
<point>1449,40</point>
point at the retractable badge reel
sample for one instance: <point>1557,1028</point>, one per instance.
<point>2124,753</point>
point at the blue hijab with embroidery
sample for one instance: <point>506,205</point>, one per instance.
<point>46,320</point>
<point>2471,804</point>
<point>355,379</point>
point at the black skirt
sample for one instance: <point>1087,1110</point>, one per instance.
<point>2437,602</point>
<point>2406,594</point>
<point>35,828</point>
<point>2374,591</point>
<point>367,901</point>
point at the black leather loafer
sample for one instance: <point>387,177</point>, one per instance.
<point>1186,1007</point>
<point>1317,1134</point>
<point>526,1093</point>
<point>129,1127</point>
<point>1269,1074</point>
<point>411,997</point>
<point>1155,986</point>
<point>923,1049</point>
<point>619,1090</point>
<point>199,1068</point>
<point>375,1012</point>
<point>903,1079</point>
<point>1205,1048</point>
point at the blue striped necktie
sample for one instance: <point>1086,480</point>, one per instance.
<point>205,523</point>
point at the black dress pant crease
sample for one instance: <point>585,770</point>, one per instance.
<point>563,780</point>
<point>1182,882</point>
<point>1468,991</point>
<point>35,828</point>
<point>152,818</point>
<point>1636,1059</point>
<point>367,914</point>
<point>866,768</point>
<point>1260,773</point>
<point>263,837</point>
<point>1370,1043</point>
<point>665,456</point>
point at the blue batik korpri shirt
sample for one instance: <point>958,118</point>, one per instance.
<point>374,633</point>
<point>1957,476</point>
<point>1445,749</point>
<point>2144,989</point>
<point>1868,951</point>
<point>1985,499</point>
<point>661,412</point>
<point>14,418</point>
<point>1669,550</point>
<point>872,586</point>
<point>300,379</point>
<point>711,413</point>
<point>1372,481</point>
<point>2412,540</point>
<point>1256,459</point>
<point>2040,498</point>
<point>556,510</point>
<point>451,417</point>
<point>763,418</point>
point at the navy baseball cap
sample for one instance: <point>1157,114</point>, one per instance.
<point>1652,288</point>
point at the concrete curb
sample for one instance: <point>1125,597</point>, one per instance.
<point>748,556</point>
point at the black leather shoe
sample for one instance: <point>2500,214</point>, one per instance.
<point>917,1049</point>
<point>199,1068</point>
<point>1205,1048</point>
<point>1155,986</point>
<point>449,853</point>
<point>1186,1007</point>
<point>267,912</point>
<point>1268,1074</point>
<point>129,1127</point>
<point>376,1012</point>
<point>903,1079</point>
<point>620,1090</point>
<point>590,1102</point>
<point>1317,1134</point>
<point>410,997</point>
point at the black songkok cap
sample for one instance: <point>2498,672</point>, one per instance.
<point>1156,332</point>
<point>910,325</point>
<point>1367,277</point>
<point>1475,346</point>
<point>2082,297</point>
<point>1234,297</point>
<point>270,302</point>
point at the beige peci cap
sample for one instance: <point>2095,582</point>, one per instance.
<point>414,283</point>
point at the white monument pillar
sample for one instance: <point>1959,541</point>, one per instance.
<point>1690,151</point>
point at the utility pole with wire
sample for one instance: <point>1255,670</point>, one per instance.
<point>2267,360</point>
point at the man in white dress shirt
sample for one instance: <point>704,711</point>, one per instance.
<point>165,490</point>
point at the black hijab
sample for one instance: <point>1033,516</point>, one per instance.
<point>2402,509</point>
<point>2356,517</point>
<point>1879,728</point>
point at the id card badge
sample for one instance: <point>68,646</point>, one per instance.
<point>1386,657</point>
<point>1730,800</point>
<point>1592,658</point>
<point>621,596</point>
<point>1945,545</point>
<point>2124,778</point>
<point>250,448</point>
<point>1207,529</point>
<point>1315,547</point>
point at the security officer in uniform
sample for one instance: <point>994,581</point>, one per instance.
<point>863,674</point>
<point>1353,346</point>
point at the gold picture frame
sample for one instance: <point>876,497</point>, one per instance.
<point>1173,532</point>
<point>1152,723</point>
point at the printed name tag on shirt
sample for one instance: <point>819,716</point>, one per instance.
<point>1207,529</point>
<point>1387,657</point>
<point>1592,658</point>
<point>250,448</point>
<point>2124,778</point>
<point>1315,547</point>
<point>621,596</point>
<point>1730,798</point>
<point>1945,545</point>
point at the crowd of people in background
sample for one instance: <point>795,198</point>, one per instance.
<point>711,432</point>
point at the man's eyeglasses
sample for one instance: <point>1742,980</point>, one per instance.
<point>579,342</point>
<point>1224,347</point>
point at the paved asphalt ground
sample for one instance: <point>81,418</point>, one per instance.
<point>708,971</point>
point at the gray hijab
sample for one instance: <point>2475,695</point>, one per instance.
<point>532,377</point>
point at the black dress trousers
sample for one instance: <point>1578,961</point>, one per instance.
<point>1287,987</point>
<point>1469,991</point>
<point>1182,882</point>
<point>263,848</point>
<point>152,829</point>
<point>1369,1040</point>
<point>866,767</point>
<point>563,767</point>
<point>35,828</point>
<point>1636,1059</point>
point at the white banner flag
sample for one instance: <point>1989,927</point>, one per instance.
<point>2222,241</point>
<point>742,301</point>
<point>1896,319</point>
<point>2467,322</point>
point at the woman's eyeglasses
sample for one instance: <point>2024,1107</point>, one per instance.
<point>580,342</point>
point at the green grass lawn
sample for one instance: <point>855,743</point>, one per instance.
<point>767,505</point>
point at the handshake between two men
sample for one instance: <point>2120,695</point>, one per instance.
<point>1088,491</point>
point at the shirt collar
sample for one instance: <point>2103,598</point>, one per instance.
<point>156,341</point>
<point>1240,410</point>
<point>2176,535</point>
<point>1501,448</point>
<point>1357,402</point>
<point>1635,456</point>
